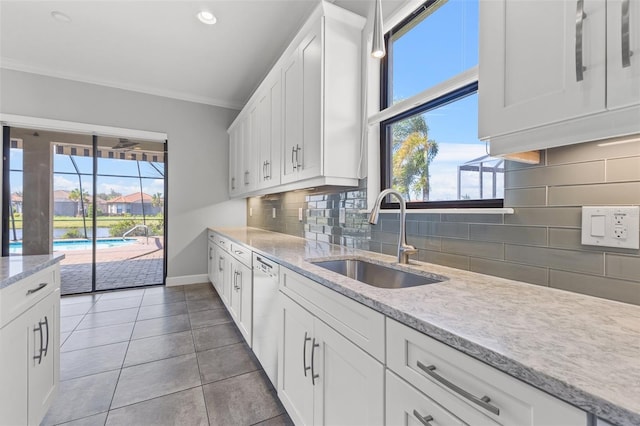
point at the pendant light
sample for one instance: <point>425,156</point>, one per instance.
<point>377,47</point>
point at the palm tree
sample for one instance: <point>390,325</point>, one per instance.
<point>413,152</point>
<point>74,195</point>
<point>157,200</point>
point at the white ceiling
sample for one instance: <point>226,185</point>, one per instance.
<point>155,47</point>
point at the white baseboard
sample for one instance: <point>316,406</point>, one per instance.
<point>187,279</point>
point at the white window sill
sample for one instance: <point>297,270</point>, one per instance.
<point>504,210</point>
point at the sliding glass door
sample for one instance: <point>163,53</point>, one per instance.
<point>100,201</point>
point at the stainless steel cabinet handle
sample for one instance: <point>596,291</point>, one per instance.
<point>246,177</point>
<point>304,354</point>
<point>580,16</point>
<point>210,256</point>
<point>482,402</point>
<point>626,43</point>
<point>314,376</point>
<point>46,346</point>
<point>268,165</point>
<point>294,157</point>
<point>238,252</point>
<point>298,149</point>
<point>239,280</point>
<point>233,183</point>
<point>425,420</point>
<point>41,349</point>
<point>220,260</point>
<point>33,290</point>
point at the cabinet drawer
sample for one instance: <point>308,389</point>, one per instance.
<point>405,403</point>
<point>413,355</point>
<point>19,297</point>
<point>222,242</point>
<point>242,253</point>
<point>211,236</point>
<point>358,323</point>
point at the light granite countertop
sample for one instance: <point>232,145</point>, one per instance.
<point>16,268</point>
<point>581,349</point>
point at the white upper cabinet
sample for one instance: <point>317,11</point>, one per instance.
<point>551,73</point>
<point>307,120</point>
<point>623,53</point>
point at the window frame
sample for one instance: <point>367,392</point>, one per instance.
<point>456,93</point>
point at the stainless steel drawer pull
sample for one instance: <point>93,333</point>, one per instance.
<point>40,287</point>
<point>304,354</point>
<point>580,17</point>
<point>314,376</point>
<point>626,44</point>
<point>482,402</point>
<point>425,420</point>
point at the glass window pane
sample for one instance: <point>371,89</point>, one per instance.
<point>442,44</point>
<point>436,156</point>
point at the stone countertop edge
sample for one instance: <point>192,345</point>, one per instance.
<point>548,377</point>
<point>16,268</point>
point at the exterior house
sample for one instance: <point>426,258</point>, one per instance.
<point>133,204</point>
<point>63,205</point>
<point>16,203</point>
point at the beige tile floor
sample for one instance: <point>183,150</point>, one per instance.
<point>158,356</point>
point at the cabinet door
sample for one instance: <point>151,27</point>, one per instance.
<point>275,129</point>
<point>623,53</point>
<point>350,386</point>
<point>295,389</point>
<point>234,155</point>
<point>291,116</point>
<point>308,153</point>
<point>14,352</point>
<point>245,313</point>
<point>211,263</point>
<point>248,159</point>
<point>529,55</point>
<point>44,348</point>
<point>225,277</point>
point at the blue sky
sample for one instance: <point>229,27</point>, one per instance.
<point>62,163</point>
<point>432,52</point>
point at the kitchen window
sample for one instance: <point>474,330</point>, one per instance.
<point>430,150</point>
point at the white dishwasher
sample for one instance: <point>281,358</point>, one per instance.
<point>265,314</point>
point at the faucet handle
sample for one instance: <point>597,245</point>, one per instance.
<point>408,249</point>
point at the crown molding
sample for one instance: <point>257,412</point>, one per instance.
<point>12,64</point>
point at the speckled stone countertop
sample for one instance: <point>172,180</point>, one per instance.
<point>15,268</point>
<point>581,349</point>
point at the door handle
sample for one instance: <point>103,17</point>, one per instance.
<point>580,17</point>
<point>314,376</point>
<point>304,354</point>
<point>46,346</point>
<point>625,38</point>
<point>482,401</point>
<point>41,349</point>
<point>425,420</point>
<point>293,152</point>
<point>38,288</point>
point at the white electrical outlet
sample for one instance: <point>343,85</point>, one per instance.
<point>611,226</point>
<point>300,214</point>
<point>250,211</point>
<point>273,212</point>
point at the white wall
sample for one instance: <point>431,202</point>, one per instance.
<point>197,156</point>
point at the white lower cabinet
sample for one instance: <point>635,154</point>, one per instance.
<point>30,349</point>
<point>324,379</point>
<point>473,391</point>
<point>241,295</point>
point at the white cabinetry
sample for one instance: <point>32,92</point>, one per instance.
<point>29,347</point>
<point>306,114</point>
<point>469,389</point>
<point>324,378</point>
<point>558,83</point>
<point>241,297</point>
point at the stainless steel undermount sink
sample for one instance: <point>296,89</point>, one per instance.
<point>377,275</point>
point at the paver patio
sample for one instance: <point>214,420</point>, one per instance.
<point>134,265</point>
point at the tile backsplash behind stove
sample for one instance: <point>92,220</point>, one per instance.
<point>538,244</point>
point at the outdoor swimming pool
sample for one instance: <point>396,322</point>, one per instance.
<point>15,247</point>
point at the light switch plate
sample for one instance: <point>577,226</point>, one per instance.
<point>611,226</point>
<point>273,212</point>
<point>300,214</point>
<point>342,216</point>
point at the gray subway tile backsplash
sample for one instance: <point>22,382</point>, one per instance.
<point>539,243</point>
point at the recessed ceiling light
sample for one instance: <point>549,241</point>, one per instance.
<point>206,17</point>
<point>59,16</point>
